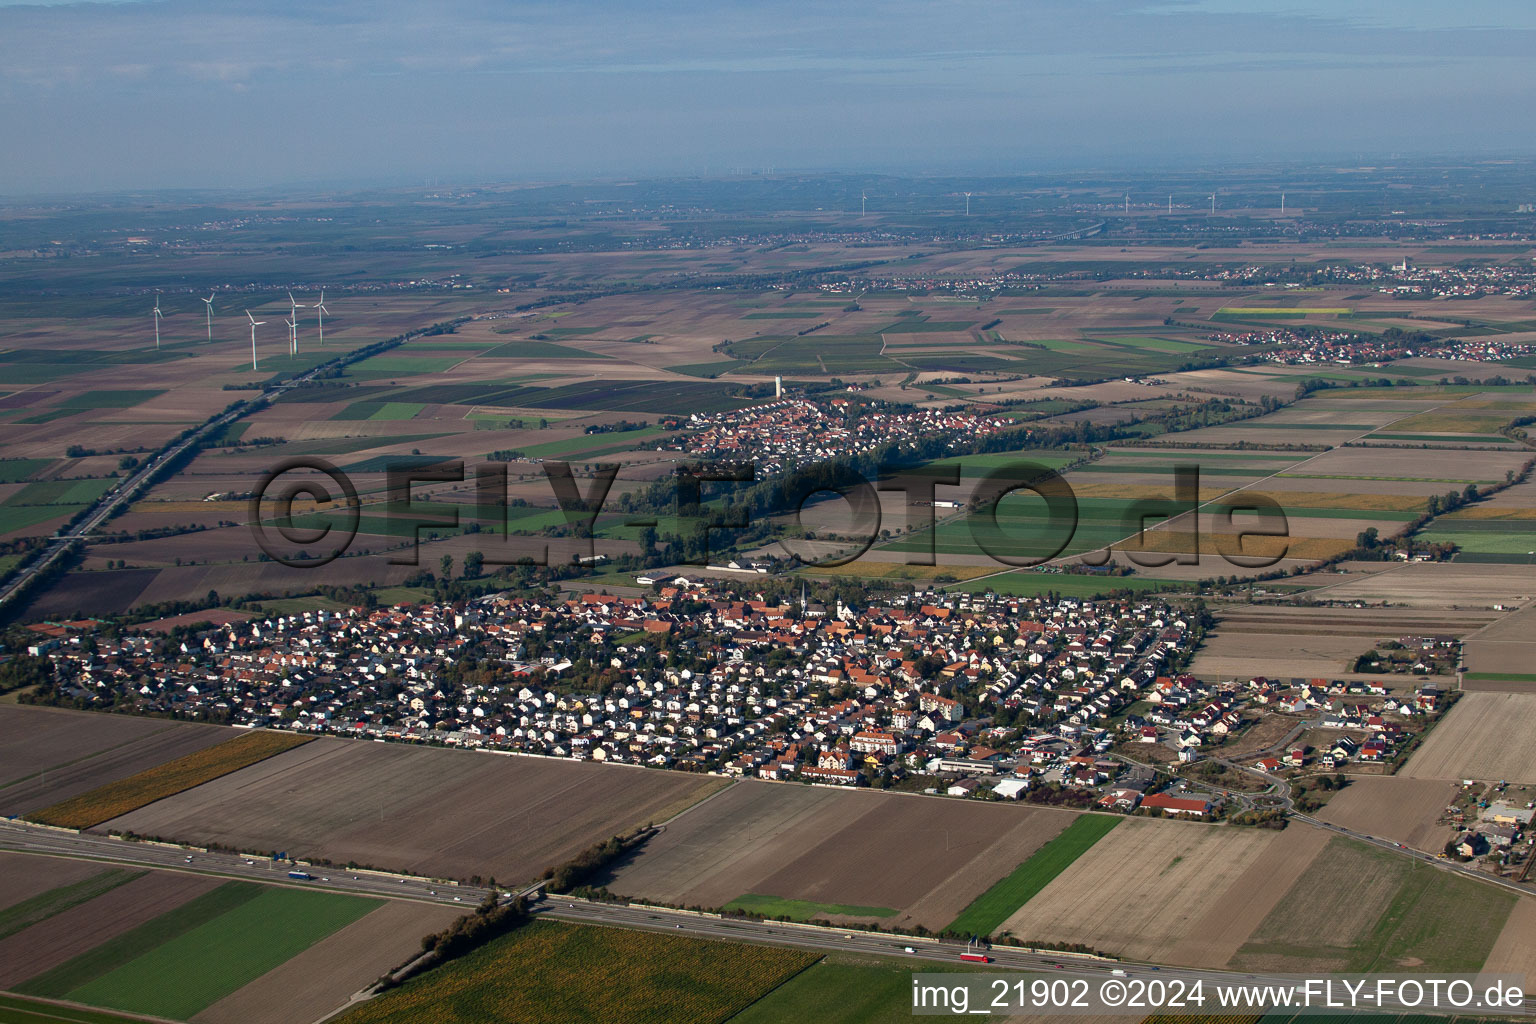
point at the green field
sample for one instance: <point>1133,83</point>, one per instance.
<point>13,519</point>
<point>989,910</point>
<point>396,411</point>
<point>559,973</point>
<point>1433,920</point>
<point>1155,344</point>
<point>1511,540</point>
<point>586,443</point>
<point>801,910</point>
<point>1446,438</point>
<point>114,953</point>
<point>379,367</point>
<point>1033,584</point>
<point>1284,311</point>
<point>55,901</point>
<point>191,972</point>
<point>1026,532</point>
<point>537,350</point>
<point>16,470</point>
<point>708,370</point>
<point>61,492</point>
<point>17,1010</point>
<point>123,399</point>
<point>844,989</point>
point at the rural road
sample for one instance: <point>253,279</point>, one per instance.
<point>20,837</point>
<point>1419,855</point>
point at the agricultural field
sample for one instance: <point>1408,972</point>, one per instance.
<point>1404,810</point>
<point>1181,871</point>
<point>848,989</point>
<point>51,755</point>
<point>186,974</point>
<point>926,858</point>
<point>1365,909</point>
<point>1284,642</point>
<point>1485,736</point>
<point>436,812</point>
<point>1426,585</point>
<point>591,973</point>
<point>186,946</point>
<point>164,780</point>
<point>1000,902</point>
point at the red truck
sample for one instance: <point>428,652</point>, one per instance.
<point>978,958</point>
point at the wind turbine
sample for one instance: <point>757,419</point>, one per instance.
<point>293,313</point>
<point>209,303</point>
<point>320,312</point>
<point>863,198</point>
<point>967,204</point>
<point>254,324</point>
<point>158,315</point>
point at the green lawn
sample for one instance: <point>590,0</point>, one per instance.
<point>989,910</point>
<point>191,972</point>
<point>802,910</point>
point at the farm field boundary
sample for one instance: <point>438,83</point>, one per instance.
<point>172,777</point>
<point>989,910</point>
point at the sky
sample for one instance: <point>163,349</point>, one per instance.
<point>206,93</point>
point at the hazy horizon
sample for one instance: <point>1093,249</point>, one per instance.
<point>170,95</point>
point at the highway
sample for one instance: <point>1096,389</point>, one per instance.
<point>126,490</point>
<point>20,837</point>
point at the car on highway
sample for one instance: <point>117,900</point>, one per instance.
<point>189,860</point>
<point>908,949</point>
